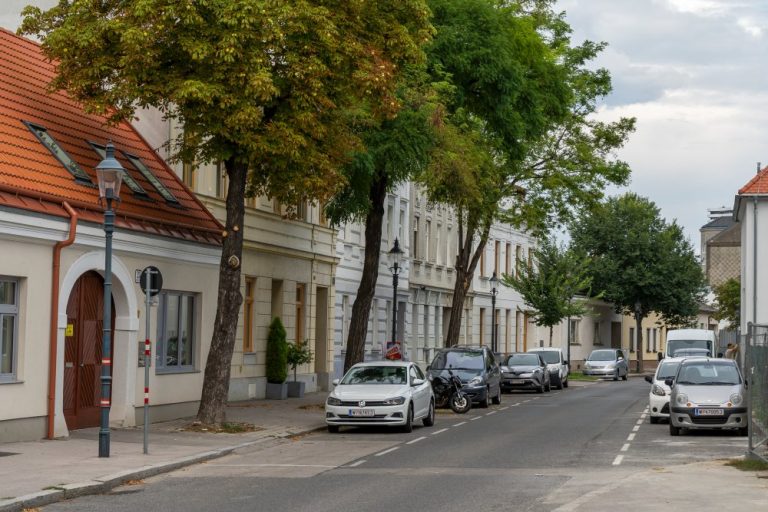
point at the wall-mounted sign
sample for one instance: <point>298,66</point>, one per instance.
<point>70,330</point>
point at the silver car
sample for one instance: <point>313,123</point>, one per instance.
<point>525,371</point>
<point>607,362</point>
<point>707,394</point>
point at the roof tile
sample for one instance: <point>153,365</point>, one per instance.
<point>757,185</point>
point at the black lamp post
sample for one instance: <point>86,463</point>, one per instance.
<point>494,292</point>
<point>110,176</point>
<point>395,257</point>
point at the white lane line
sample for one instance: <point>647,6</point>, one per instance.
<point>643,416</point>
<point>460,424</point>
<point>439,431</point>
<point>635,428</point>
<point>271,466</point>
<point>527,400</point>
<point>417,439</point>
<point>618,460</point>
<point>354,465</point>
<point>386,451</point>
<point>640,422</point>
<point>504,408</point>
<point>475,418</point>
<point>514,405</point>
<point>625,447</point>
<point>631,437</point>
<point>492,412</point>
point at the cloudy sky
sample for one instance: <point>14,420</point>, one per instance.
<point>692,73</point>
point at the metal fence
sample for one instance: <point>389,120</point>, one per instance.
<point>755,367</point>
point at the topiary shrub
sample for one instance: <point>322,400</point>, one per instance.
<point>298,354</point>
<point>277,353</point>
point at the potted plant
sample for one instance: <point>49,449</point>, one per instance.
<point>277,361</point>
<point>298,353</point>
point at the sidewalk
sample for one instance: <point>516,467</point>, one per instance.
<point>33,474</point>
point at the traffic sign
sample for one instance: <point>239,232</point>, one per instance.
<point>155,280</point>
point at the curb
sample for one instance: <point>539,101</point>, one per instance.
<point>106,483</point>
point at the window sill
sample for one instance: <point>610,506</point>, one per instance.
<point>10,381</point>
<point>175,371</point>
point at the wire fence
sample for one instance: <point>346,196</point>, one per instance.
<point>756,373</point>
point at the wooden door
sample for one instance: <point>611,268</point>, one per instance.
<point>82,352</point>
<point>615,334</point>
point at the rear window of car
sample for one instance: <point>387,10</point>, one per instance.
<point>550,356</point>
<point>602,355</point>
<point>459,359</point>
<point>708,374</point>
<point>523,359</point>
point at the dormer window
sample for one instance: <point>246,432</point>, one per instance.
<point>151,178</point>
<point>137,189</point>
<point>70,165</point>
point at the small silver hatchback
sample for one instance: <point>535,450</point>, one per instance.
<point>707,394</point>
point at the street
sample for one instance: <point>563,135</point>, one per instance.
<point>533,452</point>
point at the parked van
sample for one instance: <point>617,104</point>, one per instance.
<point>689,342</point>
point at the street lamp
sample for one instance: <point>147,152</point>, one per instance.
<point>395,257</point>
<point>110,175</point>
<point>494,292</point>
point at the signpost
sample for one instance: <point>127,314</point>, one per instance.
<point>151,281</point>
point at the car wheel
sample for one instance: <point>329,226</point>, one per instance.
<point>558,384</point>
<point>673,430</point>
<point>565,383</point>
<point>626,374</point>
<point>654,419</point>
<point>333,429</point>
<point>548,388</point>
<point>429,419</point>
<point>484,401</point>
<point>540,389</point>
<point>497,398</point>
<point>616,377</point>
<point>408,427</point>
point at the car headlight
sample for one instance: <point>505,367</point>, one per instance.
<point>658,390</point>
<point>333,401</point>
<point>736,399</point>
<point>477,381</point>
<point>587,364</point>
<point>682,399</point>
<point>398,400</point>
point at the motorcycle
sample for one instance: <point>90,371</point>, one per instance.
<point>448,392</point>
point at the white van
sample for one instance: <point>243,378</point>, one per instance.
<point>691,342</point>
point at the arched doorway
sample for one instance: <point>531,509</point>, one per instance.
<point>82,351</point>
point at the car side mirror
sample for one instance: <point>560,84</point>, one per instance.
<point>720,355</point>
<point>429,367</point>
<point>417,382</point>
<point>669,381</point>
<point>649,379</point>
<point>565,363</point>
<point>620,358</point>
<point>335,382</point>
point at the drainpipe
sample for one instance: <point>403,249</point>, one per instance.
<point>754,259</point>
<point>53,350</point>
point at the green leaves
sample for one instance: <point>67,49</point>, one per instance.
<point>728,302</point>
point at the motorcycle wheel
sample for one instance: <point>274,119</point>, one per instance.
<point>460,403</point>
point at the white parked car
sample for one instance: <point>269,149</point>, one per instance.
<point>658,397</point>
<point>558,366</point>
<point>393,393</point>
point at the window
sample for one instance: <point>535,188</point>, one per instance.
<point>137,189</point>
<point>482,262</point>
<point>400,226</point>
<point>177,331</point>
<point>496,256</point>
<point>596,334</point>
<point>9,313</point>
<point>390,221</point>
<point>507,258</point>
<point>518,258</point>
<point>654,340</point>
<point>449,262</point>
<point>58,152</point>
<point>189,175</point>
<point>250,291</point>
<point>300,290</point>
<point>221,181</point>
<point>438,248</point>
<point>151,178</point>
<point>482,325</point>
<point>574,331</point>
<point>632,340</point>
<point>301,210</point>
<point>648,340</point>
<point>415,244</point>
<point>428,240</point>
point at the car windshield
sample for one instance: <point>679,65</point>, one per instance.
<point>550,356</point>
<point>375,375</point>
<point>523,360</point>
<point>602,355</point>
<point>674,346</point>
<point>667,370</point>
<point>708,374</point>
<point>459,359</point>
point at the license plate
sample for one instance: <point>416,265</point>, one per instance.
<point>361,412</point>
<point>518,381</point>
<point>709,412</point>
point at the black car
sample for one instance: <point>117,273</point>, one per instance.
<point>525,371</point>
<point>476,367</point>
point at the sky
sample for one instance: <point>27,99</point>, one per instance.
<point>691,72</point>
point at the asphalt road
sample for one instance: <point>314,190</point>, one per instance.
<point>533,452</point>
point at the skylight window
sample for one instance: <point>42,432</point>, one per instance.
<point>70,165</point>
<point>144,170</point>
<point>127,178</point>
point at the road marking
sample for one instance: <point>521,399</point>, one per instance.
<point>439,431</point>
<point>492,412</point>
<point>417,439</point>
<point>475,418</point>
<point>514,405</point>
<point>354,465</point>
<point>527,400</point>
<point>625,447</point>
<point>635,428</point>
<point>272,466</point>
<point>460,424</point>
<point>640,422</point>
<point>386,451</point>
<point>631,437</point>
<point>504,408</point>
<point>618,460</point>
<point>643,416</point>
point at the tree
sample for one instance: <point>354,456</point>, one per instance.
<point>728,302</point>
<point>277,353</point>
<point>551,283</point>
<point>298,354</point>
<point>521,145</point>
<point>639,262</point>
<point>264,87</point>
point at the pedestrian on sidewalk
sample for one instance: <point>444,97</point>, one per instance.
<point>731,351</point>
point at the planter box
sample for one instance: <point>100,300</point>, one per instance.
<point>296,389</point>
<point>277,391</point>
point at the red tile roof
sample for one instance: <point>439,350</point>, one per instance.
<point>31,178</point>
<point>757,185</point>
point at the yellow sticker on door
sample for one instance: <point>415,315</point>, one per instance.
<point>70,330</point>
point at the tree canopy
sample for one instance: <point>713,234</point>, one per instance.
<point>728,302</point>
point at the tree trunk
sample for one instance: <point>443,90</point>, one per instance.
<point>550,335</point>
<point>361,309</point>
<point>213,401</point>
<point>639,327</point>
<point>466,263</point>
